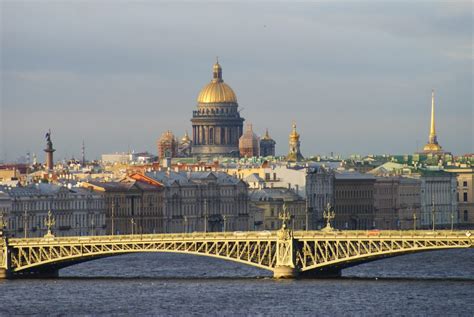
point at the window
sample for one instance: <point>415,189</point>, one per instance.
<point>465,215</point>
<point>464,196</point>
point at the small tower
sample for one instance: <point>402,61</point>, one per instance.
<point>432,147</point>
<point>294,155</point>
<point>49,152</point>
<point>185,146</point>
<point>167,145</point>
<point>267,145</point>
<point>248,143</point>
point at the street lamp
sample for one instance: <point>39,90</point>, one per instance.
<point>414,220</point>
<point>205,215</point>
<point>112,216</point>
<point>185,224</point>
<point>132,221</point>
<point>25,222</point>
<point>433,211</point>
<point>452,220</point>
<point>225,220</point>
<point>3,225</point>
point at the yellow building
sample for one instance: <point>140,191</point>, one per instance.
<point>465,196</point>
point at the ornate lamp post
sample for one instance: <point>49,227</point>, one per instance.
<point>225,220</point>
<point>433,212</point>
<point>185,224</point>
<point>50,222</point>
<point>112,215</point>
<point>329,214</point>
<point>25,222</point>
<point>3,225</point>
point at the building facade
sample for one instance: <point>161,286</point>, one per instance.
<point>354,201</point>
<point>201,201</point>
<point>131,206</point>
<point>271,202</point>
<point>438,200</point>
<point>217,124</point>
<point>464,196</point>
<point>319,192</point>
<point>76,211</point>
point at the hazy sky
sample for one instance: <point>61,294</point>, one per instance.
<point>355,76</point>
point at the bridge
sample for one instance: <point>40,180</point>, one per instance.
<point>286,253</point>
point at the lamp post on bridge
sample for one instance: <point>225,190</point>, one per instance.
<point>112,215</point>
<point>433,212</point>
<point>25,222</point>
<point>132,222</point>
<point>50,222</point>
<point>452,220</point>
<point>414,220</point>
<point>3,225</point>
<point>329,214</point>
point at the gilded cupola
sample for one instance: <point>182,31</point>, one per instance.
<point>217,91</point>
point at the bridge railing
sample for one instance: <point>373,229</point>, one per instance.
<point>383,233</point>
<point>244,235</point>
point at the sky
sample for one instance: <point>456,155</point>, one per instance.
<point>355,76</point>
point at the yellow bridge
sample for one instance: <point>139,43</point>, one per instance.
<point>286,253</point>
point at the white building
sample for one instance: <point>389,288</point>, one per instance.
<point>203,201</point>
<point>438,199</point>
<point>76,211</point>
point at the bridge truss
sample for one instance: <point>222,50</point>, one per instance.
<point>286,253</point>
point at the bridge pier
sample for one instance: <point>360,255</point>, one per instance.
<point>285,272</point>
<point>4,274</point>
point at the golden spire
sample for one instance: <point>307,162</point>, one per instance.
<point>432,146</point>
<point>266,136</point>
<point>432,138</point>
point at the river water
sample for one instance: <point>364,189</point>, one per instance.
<point>427,284</point>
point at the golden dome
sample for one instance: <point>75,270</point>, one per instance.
<point>185,138</point>
<point>217,91</point>
<point>294,135</point>
<point>432,147</point>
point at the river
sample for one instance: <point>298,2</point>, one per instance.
<point>437,283</point>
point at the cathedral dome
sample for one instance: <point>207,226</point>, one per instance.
<point>217,91</point>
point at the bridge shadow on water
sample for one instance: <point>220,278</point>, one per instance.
<point>446,265</point>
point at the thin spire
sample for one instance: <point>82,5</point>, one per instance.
<point>432,138</point>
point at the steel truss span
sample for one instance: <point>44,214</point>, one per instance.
<point>285,253</point>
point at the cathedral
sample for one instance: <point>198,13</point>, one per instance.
<point>217,124</point>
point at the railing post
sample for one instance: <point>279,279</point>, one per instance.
<point>5,259</point>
